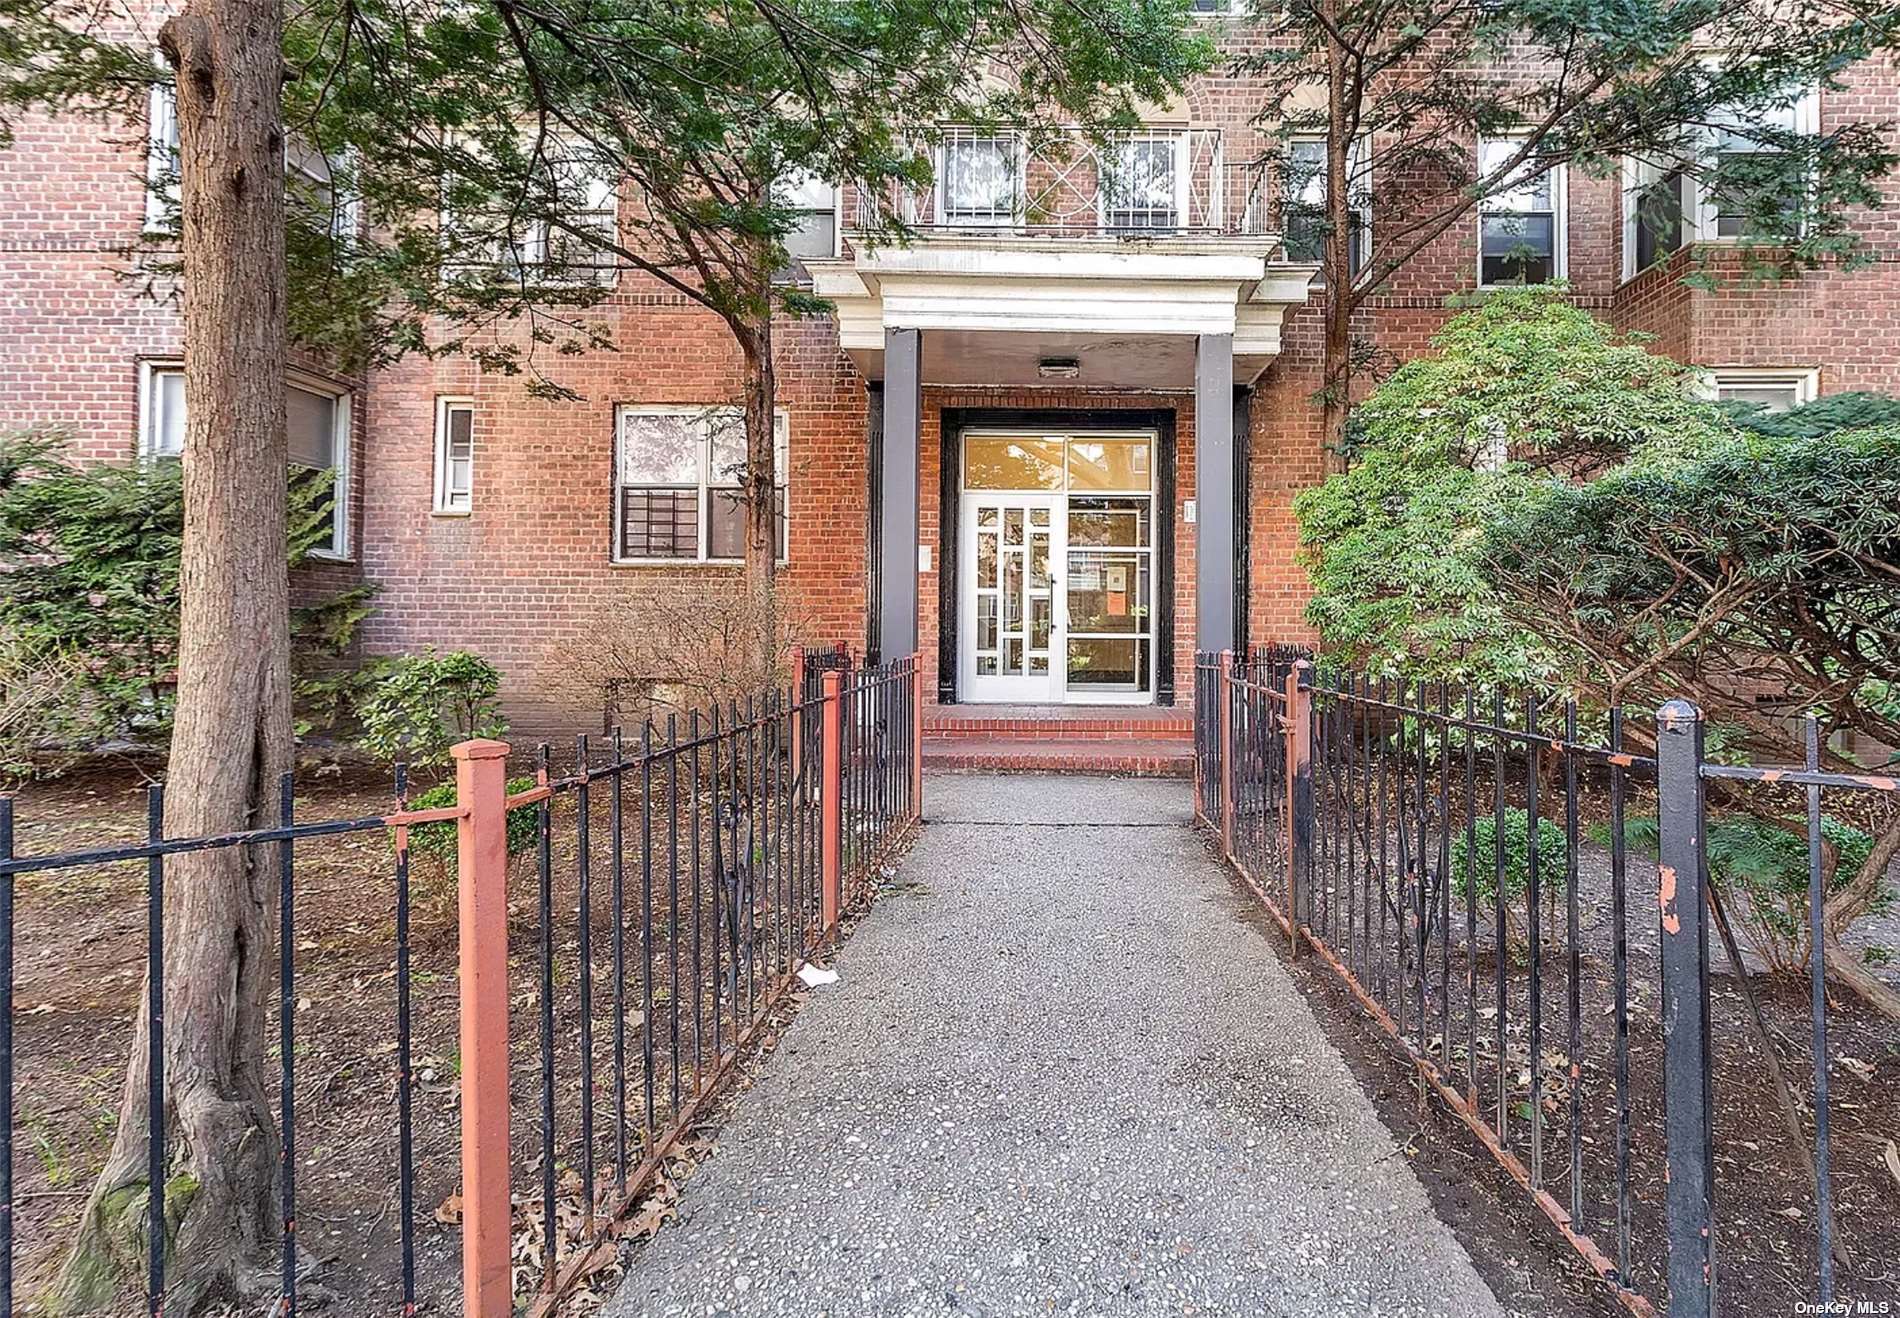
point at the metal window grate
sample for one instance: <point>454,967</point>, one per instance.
<point>659,523</point>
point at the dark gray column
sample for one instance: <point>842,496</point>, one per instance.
<point>897,494</point>
<point>1214,519</point>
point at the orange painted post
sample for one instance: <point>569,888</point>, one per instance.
<point>1227,753</point>
<point>1299,796</point>
<point>917,737</point>
<point>481,789</point>
<point>831,857</point>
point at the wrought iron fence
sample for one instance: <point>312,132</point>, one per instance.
<point>693,869</point>
<point>1430,845</point>
<point>1067,182</point>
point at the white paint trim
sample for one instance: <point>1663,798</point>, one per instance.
<point>1805,379</point>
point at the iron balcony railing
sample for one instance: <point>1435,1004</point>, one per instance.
<point>1147,182</point>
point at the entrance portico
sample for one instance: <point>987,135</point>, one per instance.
<point>1060,528</point>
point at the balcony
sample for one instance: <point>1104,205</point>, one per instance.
<point>1119,258</point>
<point>1141,184</point>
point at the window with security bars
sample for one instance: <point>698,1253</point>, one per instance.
<point>1141,189</point>
<point>679,472</point>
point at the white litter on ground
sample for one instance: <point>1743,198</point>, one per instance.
<point>815,976</point>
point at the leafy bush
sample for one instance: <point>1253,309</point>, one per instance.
<point>419,706</point>
<point>1517,856</point>
<point>1769,864</point>
<point>1824,416</point>
<point>89,561</point>
<point>436,842</point>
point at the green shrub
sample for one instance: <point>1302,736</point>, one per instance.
<point>1769,864</point>
<point>419,706</point>
<point>1517,855</point>
<point>436,842</point>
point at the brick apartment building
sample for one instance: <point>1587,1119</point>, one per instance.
<point>1102,405</point>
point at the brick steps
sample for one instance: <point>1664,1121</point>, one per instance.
<point>1133,757</point>
<point>958,723</point>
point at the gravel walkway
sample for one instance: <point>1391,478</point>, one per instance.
<point>1061,1075</point>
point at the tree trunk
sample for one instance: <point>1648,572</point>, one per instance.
<point>1844,965</point>
<point>232,732</point>
<point>1336,357</point>
<point>761,491</point>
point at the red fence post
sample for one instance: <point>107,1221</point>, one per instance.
<point>1227,753</point>
<point>831,867</point>
<point>1299,795</point>
<point>917,736</point>
<point>481,788</point>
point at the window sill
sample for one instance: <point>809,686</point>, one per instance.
<point>454,513</point>
<point>329,556</point>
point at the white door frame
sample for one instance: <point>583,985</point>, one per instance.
<point>974,688</point>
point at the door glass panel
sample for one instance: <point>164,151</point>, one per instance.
<point>1013,592</point>
<point>1039,517</point>
<point>1012,526</point>
<point>1011,463</point>
<point>1039,565</point>
<point>986,561</point>
<point>986,516</point>
<point>1122,523</point>
<point>1110,464</point>
<point>986,665</point>
<point>1013,657</point>
<point>1041,608</point>
<point>1108,591</point>
<point>1106,661</point>
<point>986,622</point>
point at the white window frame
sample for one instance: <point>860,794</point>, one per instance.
<point>346,208</point>
<point>1559,216</point>
<point>443,504</point>
<point>1018,199</point>
<point>1806,380</point>
<point>1358,260</point>
<point>1177,144</point>
<point>150,372</point>
<point>339,552</point>
<point>701,413</point>
<point>1638,176</point>
<point>1807,121</point>
<point>1231,9</point>
<point>161,156</point>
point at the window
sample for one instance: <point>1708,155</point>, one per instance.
<point>1771,389</point>
<point>815,235</point>
<point>161,158</point>
<point>161,411</point>
<point>317,429</point>
<point>1304,219</point>
<point>1748,188</point>
<point>1217,8</point>
<point>1732,186</point>
<point>454,454</point>
<point>1521,226</point>
<point>678,471</point>
<point>1143,187</point>
<point>310,186</point>
<point>1654,212</point>
<point>483,231</point>
<point>979,179</point>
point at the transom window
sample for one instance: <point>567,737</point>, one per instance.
<point>317,430</point>
<point>677,487</point>
<point>1521,226</point>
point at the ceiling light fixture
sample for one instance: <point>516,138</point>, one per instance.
<point>1058,368</point>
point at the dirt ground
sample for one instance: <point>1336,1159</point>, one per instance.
<point>80,946</point>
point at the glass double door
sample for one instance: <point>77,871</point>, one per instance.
<point>1057,583</point>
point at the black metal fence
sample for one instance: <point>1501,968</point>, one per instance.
<point>674,883</point>
<point>1463,861</point>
